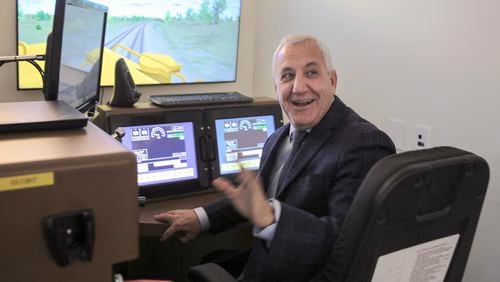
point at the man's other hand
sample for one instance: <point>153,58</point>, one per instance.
<point>183,224</point>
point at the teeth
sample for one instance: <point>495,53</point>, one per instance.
<point>302,102</point>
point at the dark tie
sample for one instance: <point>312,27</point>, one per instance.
<point>297,139</point>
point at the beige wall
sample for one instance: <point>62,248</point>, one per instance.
<point>243,84</point>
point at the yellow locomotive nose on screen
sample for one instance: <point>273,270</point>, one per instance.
<point>158,67</point>
<point>152,68</point>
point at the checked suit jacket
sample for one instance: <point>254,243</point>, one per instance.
<point>315,194</point>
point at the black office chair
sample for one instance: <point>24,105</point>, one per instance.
<point>415,215</point>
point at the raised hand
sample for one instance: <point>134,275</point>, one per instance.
<point>248,198</point>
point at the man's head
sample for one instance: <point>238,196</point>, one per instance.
<point>304,79</point>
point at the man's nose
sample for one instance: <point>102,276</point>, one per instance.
<point>299,84</point>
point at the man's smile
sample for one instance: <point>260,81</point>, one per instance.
<point>302,102</point>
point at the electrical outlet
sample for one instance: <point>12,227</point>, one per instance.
<point>422,137</point>
<point>396,130</point>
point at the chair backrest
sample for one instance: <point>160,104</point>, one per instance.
<point>415,216</point>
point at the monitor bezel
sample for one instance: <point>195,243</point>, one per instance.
<point>54,51</point>
<point>211,115</point>
<point>164,190</point>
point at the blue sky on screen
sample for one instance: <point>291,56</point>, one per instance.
<point>150,8</point>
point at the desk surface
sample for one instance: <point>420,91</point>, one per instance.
<point>173,258</point>
<point>150,227</point>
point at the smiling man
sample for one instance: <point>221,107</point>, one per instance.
<point>310,172</point>
<point>304,80</point>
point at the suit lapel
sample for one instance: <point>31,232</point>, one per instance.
<point>320,134</point>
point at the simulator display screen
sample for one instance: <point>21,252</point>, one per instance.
<point>165,152</point>
<point>162,41</point>
<point>240,141</point>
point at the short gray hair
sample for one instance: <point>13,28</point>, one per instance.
<point>292,40</point>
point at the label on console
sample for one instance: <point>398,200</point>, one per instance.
<point>26,181</point>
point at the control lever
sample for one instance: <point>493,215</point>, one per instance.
<point>118,134</point>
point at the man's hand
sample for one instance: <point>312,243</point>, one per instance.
<point>184,224</point>
<point>248,198</point>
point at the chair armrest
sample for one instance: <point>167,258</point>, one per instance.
<point>209,272</point>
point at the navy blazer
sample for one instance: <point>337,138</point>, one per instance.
<point>315,194</point>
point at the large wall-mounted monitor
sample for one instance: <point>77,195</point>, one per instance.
<point>167,149</point>
<point>74,53</point>
<point>163,42</point>
<point>240,134</point>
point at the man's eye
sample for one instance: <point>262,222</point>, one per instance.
<point>286,76</point>
<point>311,73</point>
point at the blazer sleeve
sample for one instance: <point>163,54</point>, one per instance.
<point>222,215</point>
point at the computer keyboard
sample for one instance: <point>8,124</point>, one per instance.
<point>175,100</point>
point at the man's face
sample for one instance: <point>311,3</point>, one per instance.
<point>303,84</point>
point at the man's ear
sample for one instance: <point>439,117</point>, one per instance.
<point>333,79</point>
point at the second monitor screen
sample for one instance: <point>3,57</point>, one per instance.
<point>165,152</point>
<point>240,141</point>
